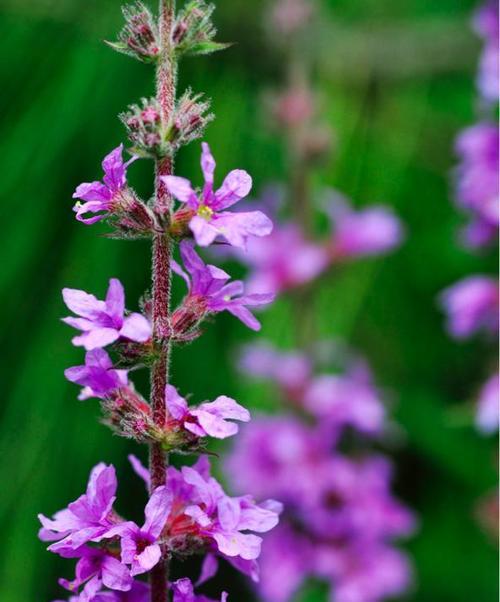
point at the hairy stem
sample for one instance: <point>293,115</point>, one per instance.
<point>162,252</point>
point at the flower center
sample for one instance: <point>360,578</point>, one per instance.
<point>205,212</point>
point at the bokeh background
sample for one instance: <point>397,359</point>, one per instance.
<point>396,78</point>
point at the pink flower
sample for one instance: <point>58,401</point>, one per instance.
<point>283,260</point>
<point>370,231</point>
<point>139,545</point>
<point>487,416</point>
<point>209,220</point>
<point>210,418</point>
<point>210,291</point>
<point>98,376</point>
<point>101,196</point>
<point>472,306</point>
<point>104,322</point>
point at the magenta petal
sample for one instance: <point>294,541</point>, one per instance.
<point>92,191</point>
<point>181,189</point>
<point>208,569</point>
<point>245,315</point>
<point>82,304</point>
<point>228,512</point>
<point>237,227</point>
<point>116,575</point>
<point>236,186</point>
<point>207,164</point>
<point>146,560</point>
<point>114,169</point>
<point>157,510</point>
<point>136,328</point>
<point>99,337</point>
<point>115,299</point>
<point>203,231</point>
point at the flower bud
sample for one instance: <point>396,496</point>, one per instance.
<point>139,37</point>
<point>194,31</point>
<point>187,317</point>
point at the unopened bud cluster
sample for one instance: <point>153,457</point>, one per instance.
<point>140,37</point>
<point>194,31</point>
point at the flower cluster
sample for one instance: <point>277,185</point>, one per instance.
<point>472,304</point>
<point>187,511</point>
<point>477,146</point>
<point>190,512</point>
<point>340,519</point>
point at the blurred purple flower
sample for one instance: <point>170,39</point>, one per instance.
<point>209,289</point>
<point>471,306</point>
<point>100,196</point>
<point>283,260</point>
<point>104,322</point>
<point>97,375</point>
<point>183,591</point>
<point>486,25</point>
<point>487,417</point>
<point>209,220</point>
<point>477,180</point>
<point>370,231</point>
<point>210,418</point>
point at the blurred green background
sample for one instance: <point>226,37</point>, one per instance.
<point>396,81</point>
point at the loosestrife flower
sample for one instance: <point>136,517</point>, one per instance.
<point>471,305</point>
<point>98,376</point>
<point>139,545</point>
<point>370,231</point>
<point>202,510</point>
<point>283,260</point>
<point>101,197</point>
<point>486,25</point>
<point>477,181</point>
<point>89,518</point>
<point>208,219</point>
<point>209,291</point>
<point>104,322</point>
<point>207,419</point>
<point>487,417</point>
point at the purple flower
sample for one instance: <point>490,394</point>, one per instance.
<point>99,566</point>
<point>291,371</point>
<point>486,25</point>
<point>283,260</point>
<point>104,322</point>
<point>346,400</point>
<point>209,418</point>
<point>209,290</point>
<point>471,305</point>
<point>101,196</point>
<point>365,232</point>
<point>97,375</point>
<point>89,518</point>
<point>139,545</point>
<point>201,508</point>
<point>183,591</point>
<point>487,416</point>
<point>477,180</point>
<point>209,220</point>
<point>139,592</point>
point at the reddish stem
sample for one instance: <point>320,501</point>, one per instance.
<point>162,251</point>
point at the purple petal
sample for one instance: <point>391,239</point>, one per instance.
<point>237,227</point>
<point>208,569</point>
<point>157,510</point>
<point>93,191</point>
<point>181,189</point>
<point>146,560</point>
<point>115,575</point>
<point>226,407</point>
<point>204,233</point>
<point>115,300</point>
<point>236,186</point>
<point>82,304</point>
<point>91,207</point>
<point>114,169</point>
<point>177,406</point>
<point>228,513</point>
<point>176,268</point>
<point>238,544</point>
<point>207,165</point>
<point>136,328</point>
<point>139,469</point>
<point>98,337</point>
<point>245,315</point>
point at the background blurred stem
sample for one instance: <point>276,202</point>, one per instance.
<point>162,251</point>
